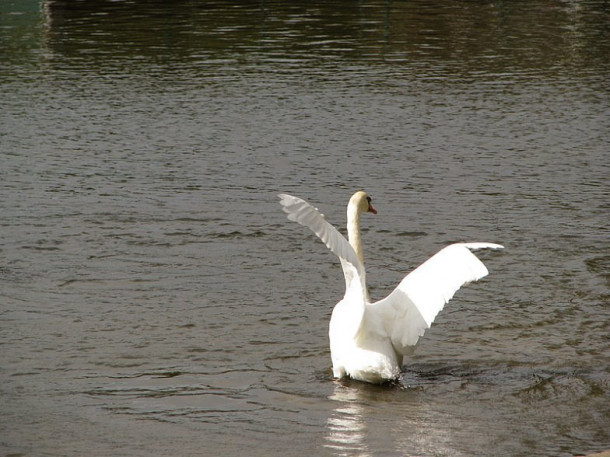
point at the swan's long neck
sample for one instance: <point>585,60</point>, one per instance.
<point>353,231</point>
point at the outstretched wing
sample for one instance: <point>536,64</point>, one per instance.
<point>300,211</point>
<point>411,308</point>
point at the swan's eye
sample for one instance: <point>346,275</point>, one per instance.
<point>368,199</point>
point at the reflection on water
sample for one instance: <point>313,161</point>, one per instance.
<point>390,419</point>
<point>444,38</point>
<point>346,427</point>
<point>439,409</point>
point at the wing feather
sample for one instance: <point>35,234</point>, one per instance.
<point>411,308</point>
<point>298,210</point>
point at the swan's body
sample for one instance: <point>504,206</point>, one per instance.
<point>368,340</point>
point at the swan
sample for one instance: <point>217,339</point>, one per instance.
<point>368,340</point>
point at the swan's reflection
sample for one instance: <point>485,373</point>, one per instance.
<point>396,419</point>
<point>346,428</point>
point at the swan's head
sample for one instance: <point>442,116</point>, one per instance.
<point>362,203</point>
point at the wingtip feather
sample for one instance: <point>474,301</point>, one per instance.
<point>476,246</point>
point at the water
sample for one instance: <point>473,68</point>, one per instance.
<point>154,300</point>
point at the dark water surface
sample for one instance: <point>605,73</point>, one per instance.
<point>154,300</point>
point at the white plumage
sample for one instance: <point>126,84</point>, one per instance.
<point>368,340</point>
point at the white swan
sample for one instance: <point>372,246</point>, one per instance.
<point>368,340</point>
